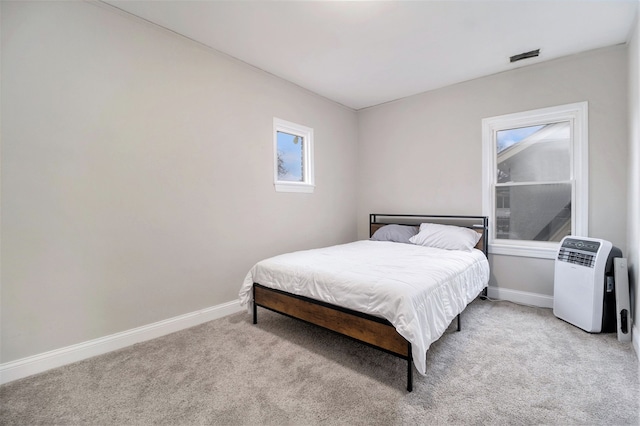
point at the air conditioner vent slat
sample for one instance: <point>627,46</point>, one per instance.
<point>577,257</point>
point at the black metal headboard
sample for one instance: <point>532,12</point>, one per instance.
<point>479,224</point>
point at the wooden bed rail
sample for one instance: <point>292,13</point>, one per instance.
<point>368,329</point>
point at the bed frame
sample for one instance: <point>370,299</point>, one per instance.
<point>368,329</point>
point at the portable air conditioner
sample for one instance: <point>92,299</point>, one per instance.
<point>584,287</point>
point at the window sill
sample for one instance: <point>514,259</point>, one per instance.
<point>294,187</point>
<point>524,251</point>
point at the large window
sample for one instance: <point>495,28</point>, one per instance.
<point>535,179</point>
<point>293,157</point>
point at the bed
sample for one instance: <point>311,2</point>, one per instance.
<point>398,291</point>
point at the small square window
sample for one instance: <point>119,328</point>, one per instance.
<point>293,157</point>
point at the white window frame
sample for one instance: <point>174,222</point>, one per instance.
<point>306,133</point>
<point>577,115</point>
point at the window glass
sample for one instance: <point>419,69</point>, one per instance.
<point>525,158</point>
<point>534,154</point>
<point>290,157</point>
<point>539,212</point>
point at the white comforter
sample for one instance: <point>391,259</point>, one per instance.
<point>420,290</point>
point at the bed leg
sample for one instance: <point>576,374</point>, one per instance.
<point>410,370</point>
<point>484,294</point>
<point>255,308</point>
<point>459,324</point>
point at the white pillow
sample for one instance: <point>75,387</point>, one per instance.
<point>446,237</point>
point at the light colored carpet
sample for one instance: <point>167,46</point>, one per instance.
<point>510,364</point>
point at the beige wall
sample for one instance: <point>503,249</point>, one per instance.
<point>137,174</point>
<point>633,221</point>
<point>423,154</point>
<point>137,168</point>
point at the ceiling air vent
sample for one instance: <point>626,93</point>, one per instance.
<point>525,55</point>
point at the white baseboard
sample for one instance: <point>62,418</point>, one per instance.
<point>522,297</point>
<point>24,367</point>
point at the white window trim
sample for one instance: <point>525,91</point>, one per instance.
<point>308,184</point>
<point>577,114</point>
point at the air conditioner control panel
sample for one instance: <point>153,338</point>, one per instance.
<point>582,245</point>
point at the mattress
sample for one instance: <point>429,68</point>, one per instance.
<point>418,289</point>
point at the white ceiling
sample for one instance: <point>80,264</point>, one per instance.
<point>364,53</point>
